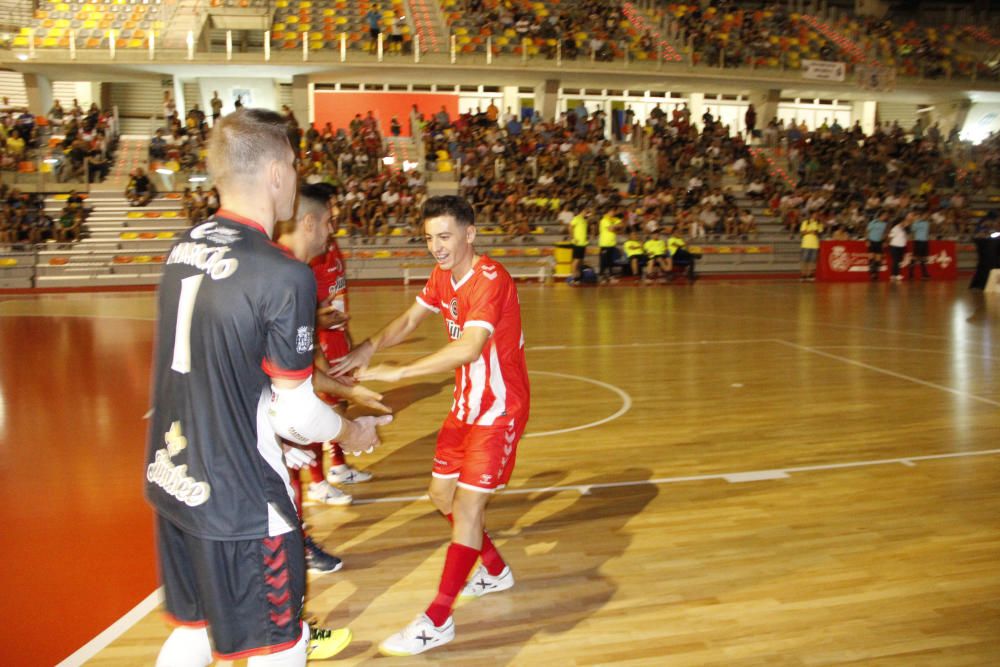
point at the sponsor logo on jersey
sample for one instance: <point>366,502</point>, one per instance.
<point>454,331</point>
<point>453,307</point>
<point>485,478</point>
<point>303,340</point>
<point>174,478</point>
<point>215,234</point>
<point>210,259</point>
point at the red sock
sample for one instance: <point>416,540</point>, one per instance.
<point>457,566</point>
<point>293,476</point>
<point>337,455</point>
<point>492,560</point>
<point>316,467</point>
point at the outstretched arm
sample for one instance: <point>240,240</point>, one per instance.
<point>456,353</point>
<point>392,334</point>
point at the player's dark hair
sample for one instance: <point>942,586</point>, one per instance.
<point>317,193</point>
<point>244,140</point>
<point>449,206</point>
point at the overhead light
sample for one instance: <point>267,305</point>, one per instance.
<point>388,160</point>
<point>50,160</point>
<point>407,165</point>
<point>165,172</point>
<point>22,56</point>
<point>197,179</point>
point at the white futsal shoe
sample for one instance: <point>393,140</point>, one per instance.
<point>326,493</point>
<point>347,476</point>
<point>483,583</point>
<point>419,636</point>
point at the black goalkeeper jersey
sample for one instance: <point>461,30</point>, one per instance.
<point>234,309</point>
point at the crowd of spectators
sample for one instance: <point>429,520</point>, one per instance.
<point>88,141</point>
<point>24,222</point>
<point>727,34</point>
<point>933,52</point>
<point>581,28</point>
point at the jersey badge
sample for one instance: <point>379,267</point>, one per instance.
<point>303,340</point>
<point>453,308</point>
<point>490,272</point>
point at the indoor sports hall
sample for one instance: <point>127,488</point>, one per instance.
<point>764,400</point>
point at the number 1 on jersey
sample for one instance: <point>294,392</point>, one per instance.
<point>182,332</point>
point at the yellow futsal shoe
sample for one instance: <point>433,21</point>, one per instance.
<point>325,643</point>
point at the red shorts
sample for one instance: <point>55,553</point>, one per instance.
<point>480,457</point>
<point>334,344</point>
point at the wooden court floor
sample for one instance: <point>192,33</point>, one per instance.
<point>730,473</point>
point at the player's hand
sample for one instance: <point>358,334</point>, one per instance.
<point>296,458</point>
<point>367,398</point>
<point>328,317</point>
<point>356,358</point>
<point>363,436</point>
<point>381,373</point>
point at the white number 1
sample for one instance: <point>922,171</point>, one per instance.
<point>182,333</point>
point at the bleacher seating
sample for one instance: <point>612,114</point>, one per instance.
<point>89,22</point>
<point>326,20</point>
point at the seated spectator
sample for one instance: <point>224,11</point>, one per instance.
<point>140,190</point>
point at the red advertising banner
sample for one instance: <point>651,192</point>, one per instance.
<point>847,261</point>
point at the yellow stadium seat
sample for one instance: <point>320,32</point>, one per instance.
<point>8,261</point>
<point>50,42</point>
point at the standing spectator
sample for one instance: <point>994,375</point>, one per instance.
<point>897,247</point>
<point>216,103</point>
<point>750,120</point>
<point>810,229</point>
<point>920,226</point>
<point>875,233</point>
<point>372,18</point>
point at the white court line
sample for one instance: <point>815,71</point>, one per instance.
<point>119,627</point>
<point>626,404</point>
<point>899,348</point>
<point>884,371</point>
<point>114,631</point>
<point>735,477</point>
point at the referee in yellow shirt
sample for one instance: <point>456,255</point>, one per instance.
<point>580,231</point>
<point>607,240</point>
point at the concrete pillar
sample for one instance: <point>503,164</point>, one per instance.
<point>547,99</point>
<point>765,102</point>
<point>179,101</point>
<point>696,104</point>
<point>39,90</point>
<point>511,99</point>
<point>864,111</point>
<point>302,100</point>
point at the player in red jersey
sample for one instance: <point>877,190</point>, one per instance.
<point>306,236</point>
<point>477,444</point>
<point>334,342</point>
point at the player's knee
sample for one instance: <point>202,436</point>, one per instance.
<point>468,510</point>
<point>441,499</point>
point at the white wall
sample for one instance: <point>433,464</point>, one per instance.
<point>262,93</point>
